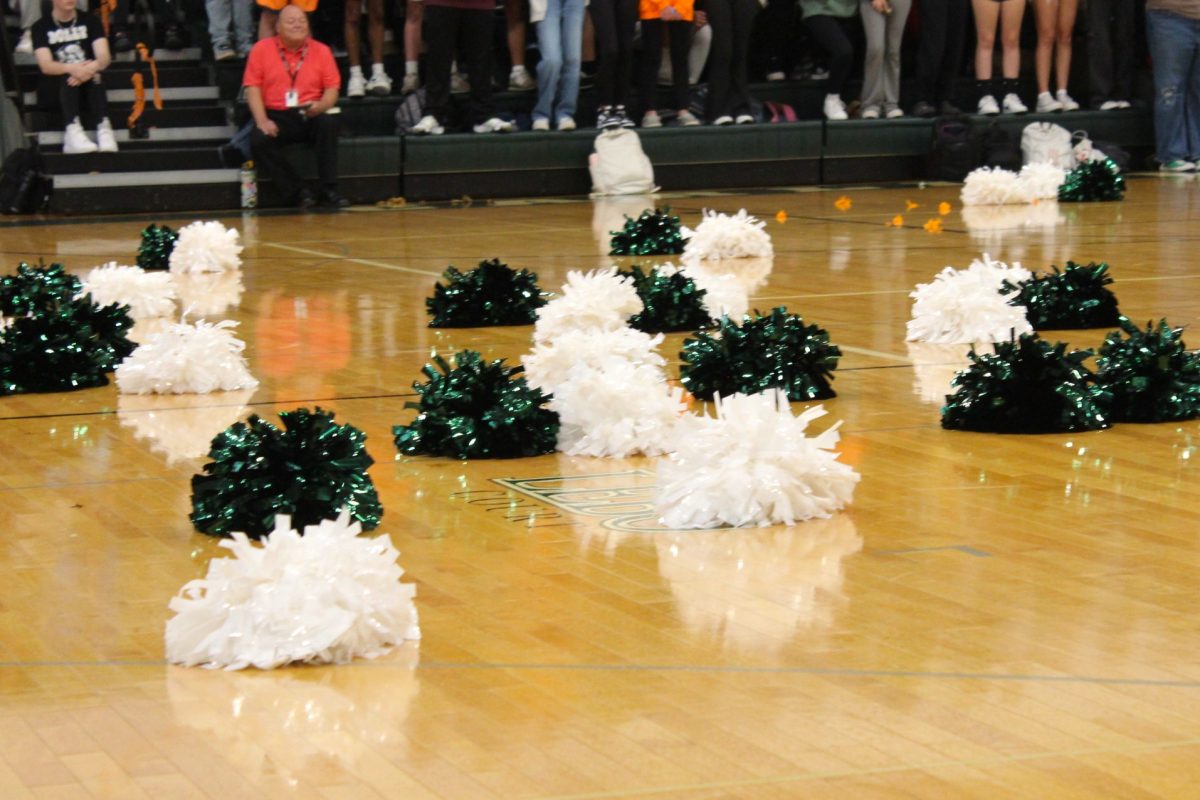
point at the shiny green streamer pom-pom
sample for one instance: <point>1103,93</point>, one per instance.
<point>775,350</point>
<point>310,469</point>
<point>1026,386</point>
<point>1149,374</point>
<point>671,301</point>
<point>34,289</point>
<point>155,249</point>
<point>1075,297</point>
<point>477,409</point>
<point>491,294</point>
<point>652,233</point>
<point>1092,181</point>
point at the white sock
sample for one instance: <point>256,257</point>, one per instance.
<point>377,69</point>
<point>410,68</point>
<point>356,71</point>
<point>518,69</point>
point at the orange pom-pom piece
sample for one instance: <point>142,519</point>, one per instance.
<point>781,216</point>
<point>896,222</point>
<point>934,225</point>
<point>909,205</point>
<point>943,208</point>
<point>842,203</point>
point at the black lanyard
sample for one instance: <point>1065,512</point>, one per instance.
<point>288,69</point>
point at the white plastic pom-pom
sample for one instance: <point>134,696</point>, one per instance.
<point>988,186</point>
<point>187,359</point>
<point>965,306</point>
<point>325,597</point>
<point>148,294</point>
<point>598,300</point>
<point>548,364</point>
<point>751,465</point>
<point>206,247</point>
<point>1040,181</point>
<point>720,236</point>
<point>615,409</point>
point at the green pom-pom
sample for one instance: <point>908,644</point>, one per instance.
<point>1075,297</point>
<point>491,294</point>
<point>776,350</point>
<point>1026,386</point>
<point>652,233</point>
<point>477,410</point>
<point>1092,181</point>
<point>671,301</point>
<point>155,249</point>
<point>310,469</point>
<point>35,289</point>
<point>1150,376</point>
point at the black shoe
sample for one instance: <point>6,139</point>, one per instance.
<point>305,199</point>
<point>948,109</point>
<point>230,156</point>
<point>924,109</point>
<point>121,43</point>
<point>331,199</point>
<point>623,119</point>
<point>606,119</point>
<point>173,38</point>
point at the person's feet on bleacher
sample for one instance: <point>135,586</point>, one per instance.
<point>25,43</point>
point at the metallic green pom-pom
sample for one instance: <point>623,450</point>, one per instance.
<point>311,469</point>
<point>1092,181</point>
<point>1149,374</point>
<point>654,232</point>
<point>775,350</point>
<point>1075,297</point>
<point>491,294</point>
<point>155,250</point>
<point>671,301</point>
<point>35,289</point>
<point>477,409</point>
<point>1026,386</point>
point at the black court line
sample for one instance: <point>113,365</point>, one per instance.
<point>109,411</point>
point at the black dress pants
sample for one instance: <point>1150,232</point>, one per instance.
<point>728,87</point>
<point>940,51</point>
<point>443,27</point>
<point>320,132</point>
<point>1111,47</point>
<point>614,21</point>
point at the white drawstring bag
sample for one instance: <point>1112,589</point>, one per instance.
<point>619,165</point>
<point>1047,143</point>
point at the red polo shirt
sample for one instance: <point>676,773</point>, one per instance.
<point>271,67</point>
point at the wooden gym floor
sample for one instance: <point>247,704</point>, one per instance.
<point>993,617</point>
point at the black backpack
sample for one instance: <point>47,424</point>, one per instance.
<point>24,185</point>
<point>998,148</point>
<point>953,151</point>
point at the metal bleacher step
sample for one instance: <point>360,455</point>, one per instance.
<point>173,177</point>
<point>158,136</point>
<point>161,56</point>
<point>172,116</point>
<point>169,94</point>
<point>188,155</point>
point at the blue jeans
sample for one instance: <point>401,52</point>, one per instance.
<point>560,41</point>
<point>1175,46</point>
<point>241,14</point>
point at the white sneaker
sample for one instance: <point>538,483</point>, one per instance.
<point>25,43</point>
<point>724,119</point>
<point>104,137</point>
<point>870,112</point>
<point>1046,103</point>
<point>519,80</point>
<point>1066,101</point>
<point>459,83</point>
<point>410,83</point>
<point>895,112</point>
<point>687,118</point>
<point>1177,166</point>
<point>834,107</point>
<point>380,84</point>
<point>988,105</point>
<point>356,86</point>
<point>541,124</point>
<point>1013,104</point>
<point>651,120</point>
<point>428,126</point>
<point>777,75</point>
<point>495,125</point>
<point>566,123</point>
<point>1124,104</point>
<point>744,119</point>
<point>75,141</point>
<point>1110,105</point>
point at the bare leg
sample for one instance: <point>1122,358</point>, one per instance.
<point>1046,12</point>
<point>1011,13</point>
<point>353,40</point>
<point>414,13</point>
<point>514,17</point>
<point>1067,9</point>
<point>987,14</point>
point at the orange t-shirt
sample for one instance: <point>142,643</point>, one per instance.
<point>307,6</point>
<point>652,9</point>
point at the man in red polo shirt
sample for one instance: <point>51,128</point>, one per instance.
<point>291,83</point>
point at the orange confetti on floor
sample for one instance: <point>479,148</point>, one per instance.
<point>781,216</point>
<point>934,225</point>
<point>943,208</point>
<point>909,205</point>
<point>896,222</point>
<point>842,203</point>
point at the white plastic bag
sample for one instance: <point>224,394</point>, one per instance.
<point>619,165</point>
<point>1045,142</point>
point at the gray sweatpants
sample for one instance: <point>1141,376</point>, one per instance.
<point>881,68</point>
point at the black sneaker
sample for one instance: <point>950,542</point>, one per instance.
<point>331,199</point>
<point>305,199</point>
<point>173,38</point>
<point>924,109</point>
<point>623,119</point>
<point>606,119</point>
<point>121,43</point>
<point>948,109</point>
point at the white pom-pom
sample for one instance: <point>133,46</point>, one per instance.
<point>1040,181</point>
<point>989,186</point>
<point>965,306</point>
<point>148,294</point>
<point>180,432</point>
<point>206,247</point>
<point>547,365</point>
<point>616,409</point>
<point>721,236</point>
<point>724,293</point>
<point>600,300</point>
<point>208,294</point>
<point>325,597</point>
<point>751,465</point>
<point>187,359</point>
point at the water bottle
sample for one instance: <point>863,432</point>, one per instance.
<point>249,183</point>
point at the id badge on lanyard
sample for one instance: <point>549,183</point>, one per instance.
<point>291,98</point>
